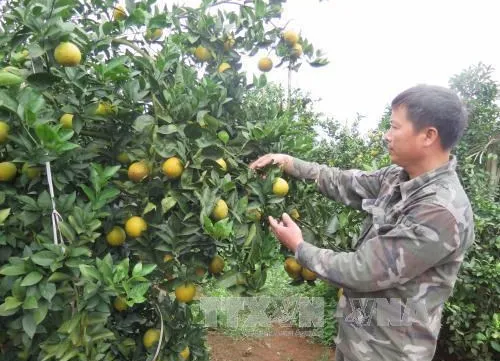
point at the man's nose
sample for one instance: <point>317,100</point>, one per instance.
<point>386,139</point>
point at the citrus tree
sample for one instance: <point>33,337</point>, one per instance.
<point>123,177</point>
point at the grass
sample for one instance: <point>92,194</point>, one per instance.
<point>281,291</point>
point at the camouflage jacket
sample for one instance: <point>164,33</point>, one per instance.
<point>405,261</point>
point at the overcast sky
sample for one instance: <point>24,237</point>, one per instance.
<point>378,48</point>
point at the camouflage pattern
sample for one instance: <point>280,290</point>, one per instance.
<point>409,253</point>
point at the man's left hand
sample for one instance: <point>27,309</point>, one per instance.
<point>287,231</point>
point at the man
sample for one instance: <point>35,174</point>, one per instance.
<point>419,226</point>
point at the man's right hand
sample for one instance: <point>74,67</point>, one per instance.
<point>284,161</point>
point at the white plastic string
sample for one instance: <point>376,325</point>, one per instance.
<point>56,217</point>
<point>158,348</point>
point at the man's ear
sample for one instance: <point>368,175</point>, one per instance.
<point>431,136</point>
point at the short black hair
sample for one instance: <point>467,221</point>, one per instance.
<point>435,106</point>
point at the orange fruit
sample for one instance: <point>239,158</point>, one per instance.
<point>8,171</point>
<point>116,237</point>
<point>290,37</point>
<point>202,54</point>
<point>280,187</point>
<point>66,121</point>
<point>67,54</point>
<point>151,337</point>
<point>4,132</point>
<point>220,210</point>
<point>138,171</point>
<point>120,304</point>
<point>185,293</point>
<point>293,268</point>
<point>308,275</point>
<point>135,226</point>
<point>216,265</point>
<point>173,168</point>
<point>265,64</point>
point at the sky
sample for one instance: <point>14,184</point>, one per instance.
<point>379,48</point>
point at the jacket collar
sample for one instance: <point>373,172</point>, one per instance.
<point>408,186</point>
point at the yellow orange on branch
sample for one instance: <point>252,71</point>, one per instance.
<point>265,64</point>
<point>173,168</point>
<point>8,171</point>
<point>202,54</point>
<point>116,237</point>
<point>66,121</point>
<point>185,293</point>
<point>151,337</point>
<point>135,226</point>
<point>67,54</point>
<point>290,37</point>
<point>4,132</point>
<point>280,187</point>
<point>138,171</point>
<point>119,13</point>
<point>220,210</point>
<point>216,265</point>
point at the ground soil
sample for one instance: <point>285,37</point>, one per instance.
<point>281,344</point>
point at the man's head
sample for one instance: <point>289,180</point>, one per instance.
<point>426,121</point>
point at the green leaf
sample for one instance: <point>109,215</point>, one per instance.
<point>68,356</point>
<point>149,207</point>
<point>88,192</point>
<point>228,280</point>
<point>105,267</point>
<point>11,303</point>
<point>144,121</point>
<point>44,201</point>
<point>47,290</point>
<point>260,8</point>
<point>31,279</point>
<point>121,271</point>
<point>251,235</point>
<point>44,258</point>
<point>147,269</point>
<point>109,172</point>
<point>5,313</point>
<point>58,277</point>
<point>168,129</point>
<point>46,134</point>
<point>29,202</point>
<point>212,152</point>
<point>35,50</point>
<point>138,291</point>
<point>137,269</point>
<point>90,272</point>
<point>42,80</point>
<point>30,303</point>
<point>67,231</point>
<point>13,270</point>
<point>69,325</point>
<point>29,324</point>
<point>193,131</point>
<point>167,203</point>
<point>106,334</point>
<point>29,217</point>
<point>4,213</point>
<point>223,229</point>
<point>80,251</point>
<point>7,102</point>
<point>41,312</point>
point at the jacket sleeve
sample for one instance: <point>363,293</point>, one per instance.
<point>399,252</point>
<point>347,186</point>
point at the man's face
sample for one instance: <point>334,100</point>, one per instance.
<point>404,143</point>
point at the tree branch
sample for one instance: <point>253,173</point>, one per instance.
<point>133,46</point>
